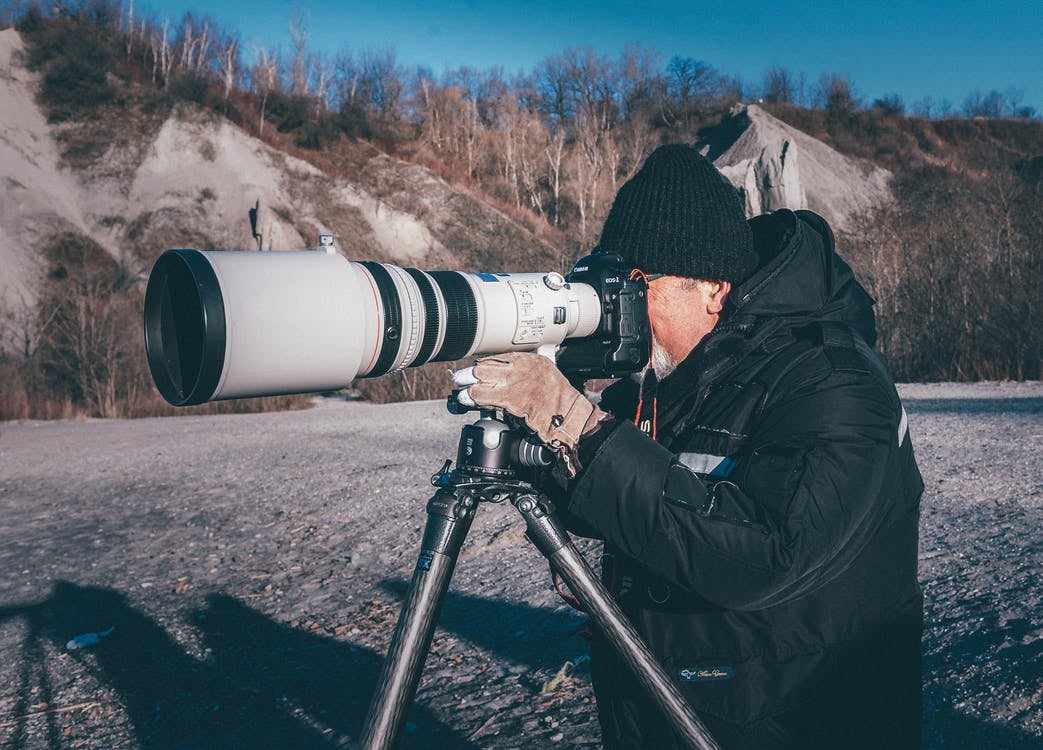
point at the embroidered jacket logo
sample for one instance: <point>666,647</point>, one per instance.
<point>706,674</point>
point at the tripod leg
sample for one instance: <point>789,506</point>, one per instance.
<point>449,516</point>
<point>547,534</point>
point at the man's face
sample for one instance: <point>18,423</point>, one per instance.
<point>681,311</point>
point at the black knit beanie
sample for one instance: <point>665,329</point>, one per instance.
<point>679,216</point>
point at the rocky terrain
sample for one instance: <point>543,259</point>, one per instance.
<point>248,570</point>
<point>141,182</point>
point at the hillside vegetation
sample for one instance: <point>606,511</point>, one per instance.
<point>954,261</point>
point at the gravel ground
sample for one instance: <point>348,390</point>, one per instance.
<point>252,568</point>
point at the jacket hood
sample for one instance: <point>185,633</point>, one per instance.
<point>799,281</point>
<point>800,276</point>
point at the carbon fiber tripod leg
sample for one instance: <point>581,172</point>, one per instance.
<point>449,516</point>
<point>547,534</point>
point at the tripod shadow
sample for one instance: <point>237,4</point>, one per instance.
<point>263,685</point>
<point>535,636</point>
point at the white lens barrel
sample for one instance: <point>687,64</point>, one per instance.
<point>230,324</point>
<point>233,324</point>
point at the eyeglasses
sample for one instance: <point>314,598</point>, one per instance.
<point>637,273</point>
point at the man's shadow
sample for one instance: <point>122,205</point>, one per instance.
<point>260,685</point>
<point>256,683</point>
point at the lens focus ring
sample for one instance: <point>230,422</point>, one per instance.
<point>392,330</point>
<point>461,310</point>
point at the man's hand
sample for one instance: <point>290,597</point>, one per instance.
<point>531,388</point>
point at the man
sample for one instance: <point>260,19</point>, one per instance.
<point>757,493</point>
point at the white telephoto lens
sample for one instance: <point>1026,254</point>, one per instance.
<point>231,324</point>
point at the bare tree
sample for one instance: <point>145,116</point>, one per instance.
<point>802,92</point>
<point>835,93</point>
<point>519,140</point>
<point>510,142</point>
<point>579,93</point>
<point>424,105</point>
<point>23,326</point>
<point>978,104</point>
<point>634,138</point>
<point>449,122</point>
<point>778,86</point>
<point>588,162</point>
<point>470,131</point>
<point>691,85</point>
<point>889,105</point>
<point>194,44</point>
<point>924,107</point>
<point>380,86</point>
<point>162,54</point>
<point>1014,96</point>
<point>551,86</point>
<point>593,85</point>
<point>265,76</point>
<point>321,76</point>
<point>347,75</point>
<point>643,96</point>
<point>83,349</point>
<point>532,144</point>
<point>228,64</point>
<point>641,86</point>
<point>299,42</point>
<point>555,153</point>
<point>129,31</point>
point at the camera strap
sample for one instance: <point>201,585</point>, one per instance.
<point>646,415</point>
<point>647,405</point>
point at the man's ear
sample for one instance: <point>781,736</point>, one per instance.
<point>717,294</point>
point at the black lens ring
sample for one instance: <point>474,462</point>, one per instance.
<point>391,334</point>
<point>461,315</point>
<point>430,300</point>
<point>197,385</point>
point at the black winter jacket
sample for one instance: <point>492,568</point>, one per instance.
<point>765,543</point>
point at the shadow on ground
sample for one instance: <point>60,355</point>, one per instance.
<point>1026,405</point>
<point>265,685</point>
<point>536,637</point>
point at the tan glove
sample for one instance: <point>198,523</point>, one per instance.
<point>531,388</point>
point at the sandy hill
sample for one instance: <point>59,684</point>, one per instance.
<point>777,166</point>
<point>189,180</point>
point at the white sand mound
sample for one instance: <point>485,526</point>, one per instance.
<point>225,172</point>
<point>39,197</point>
<point>777,166</point>
<point>213,173</point>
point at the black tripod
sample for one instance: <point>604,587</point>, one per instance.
<point>496,463</point>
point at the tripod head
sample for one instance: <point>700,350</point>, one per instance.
<point>496,447</point>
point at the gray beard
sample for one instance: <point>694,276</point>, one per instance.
<point>662,363</point>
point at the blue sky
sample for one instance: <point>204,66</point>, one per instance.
<point>944,50</point>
